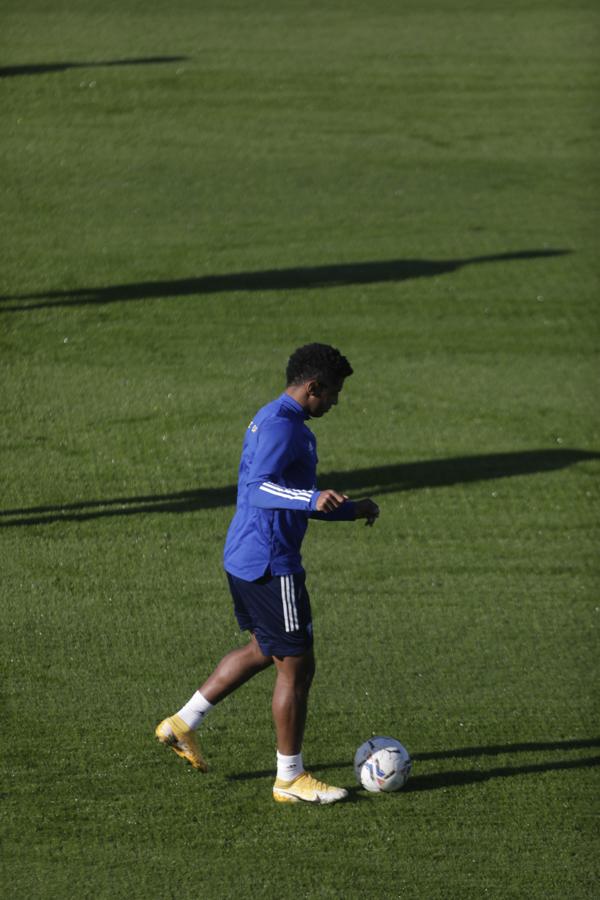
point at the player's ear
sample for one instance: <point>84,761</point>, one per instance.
<point>313,388</point>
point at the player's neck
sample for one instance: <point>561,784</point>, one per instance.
<point>298,393</point>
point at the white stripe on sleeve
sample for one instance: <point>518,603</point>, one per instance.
<point>285,493</point>
<point>280,487</point>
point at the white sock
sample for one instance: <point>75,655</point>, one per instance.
<point>289,767</point>
<point>195,710</point>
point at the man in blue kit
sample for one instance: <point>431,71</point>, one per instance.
<point>277,494</point>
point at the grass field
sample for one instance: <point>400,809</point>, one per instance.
<point>189,192</point>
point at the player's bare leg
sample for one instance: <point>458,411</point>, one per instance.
<point>237,667</point>
<point>290,701</point>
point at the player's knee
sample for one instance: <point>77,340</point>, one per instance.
<point>310,671</point>
<point>297,671</point>
<point>305,674</point>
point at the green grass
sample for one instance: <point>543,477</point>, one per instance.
<point>456,142</point>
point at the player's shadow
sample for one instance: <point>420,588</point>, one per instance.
<point>306,278</point>
<point>459,778</point>
<point>45,68</point>
<point>377,480</point>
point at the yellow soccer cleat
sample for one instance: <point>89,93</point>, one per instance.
<point>176,734</point>
<point>305,787</point>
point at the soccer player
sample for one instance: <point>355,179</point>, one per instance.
<point>277,494</point>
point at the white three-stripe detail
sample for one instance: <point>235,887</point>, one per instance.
<point>288,597</point>
<point>287,490</point>
<point>293,607</point>
<point>287,493</point>
<point>283,598</point>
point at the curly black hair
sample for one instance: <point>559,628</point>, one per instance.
<point>319,361</point>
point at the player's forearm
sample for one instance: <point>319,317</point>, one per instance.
<point>344,513</point>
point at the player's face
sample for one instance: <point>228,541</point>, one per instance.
<point>323,397</point>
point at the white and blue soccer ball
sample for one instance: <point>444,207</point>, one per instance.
<point>382,764</point>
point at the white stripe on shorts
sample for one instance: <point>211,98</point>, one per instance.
<point>293,606</point>
<point>288,597</point>
<point>284,602</point>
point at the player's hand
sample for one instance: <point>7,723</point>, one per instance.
<point>327,501</point>
<point>367,509</point>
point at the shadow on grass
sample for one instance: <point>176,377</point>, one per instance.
<point>305,278</point>
<point>458,778</point>
<point>45,68</point>
<point>443,780</point>
<point>378,480</point>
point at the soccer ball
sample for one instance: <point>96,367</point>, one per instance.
<point>382,764</point>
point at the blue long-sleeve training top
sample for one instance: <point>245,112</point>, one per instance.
<point>277,493</point>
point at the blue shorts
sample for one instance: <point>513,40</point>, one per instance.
<point>276,609</point>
